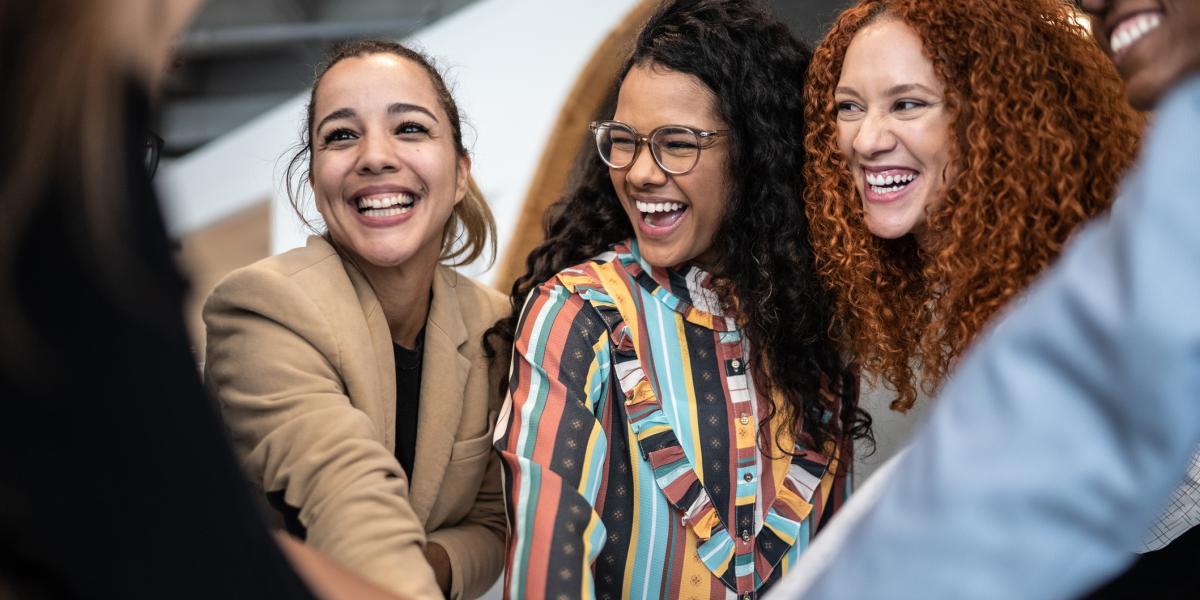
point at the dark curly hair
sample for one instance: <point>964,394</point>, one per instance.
<point>755,69</point>
<point>1042,134</point>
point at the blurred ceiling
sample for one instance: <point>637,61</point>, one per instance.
<point>243,57</point>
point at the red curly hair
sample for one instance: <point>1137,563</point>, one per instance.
<point>1041,136</point>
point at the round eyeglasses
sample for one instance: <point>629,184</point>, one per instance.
<point>676,148</point>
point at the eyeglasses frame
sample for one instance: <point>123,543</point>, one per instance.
<point>707,137</point>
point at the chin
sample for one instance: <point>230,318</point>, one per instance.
<point>659,256</point>
<point>889,231</point>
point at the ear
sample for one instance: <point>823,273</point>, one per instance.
<point>462,177</point>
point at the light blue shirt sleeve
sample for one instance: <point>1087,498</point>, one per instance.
<point>1052,447</point>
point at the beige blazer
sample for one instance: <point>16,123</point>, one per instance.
<point>300,357</point>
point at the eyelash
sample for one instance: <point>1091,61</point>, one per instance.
<point>337,136</point>
<point>899,106</point>
<point>915,104</point>
<point>342,134</point>
<point>412,127</point>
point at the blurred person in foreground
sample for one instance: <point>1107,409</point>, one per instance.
<point>116,479</point>
<point>351,371</point>
<point>1056,443</point>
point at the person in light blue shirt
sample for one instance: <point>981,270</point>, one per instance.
<point>1053,447</point>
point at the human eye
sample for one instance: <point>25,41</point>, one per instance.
<point>621,139</point>
<point>849,110</point>
<point>908,106</point>
<point>340,134</point>
<point>411,129</point>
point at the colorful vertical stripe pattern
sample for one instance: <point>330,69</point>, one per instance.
<point>631,448</point>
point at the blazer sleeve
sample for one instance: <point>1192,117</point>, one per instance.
<point>273,362</point>
<point>476,546</point>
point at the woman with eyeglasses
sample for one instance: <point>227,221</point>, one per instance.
<point>953,148</point>
<point>351,371</point>
<point>677,418</point>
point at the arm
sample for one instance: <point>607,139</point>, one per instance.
<point>473,551</point>
<point>1053,446</point>
<point>274,365</point>
<point>330,580</point>
<point>553,446</point>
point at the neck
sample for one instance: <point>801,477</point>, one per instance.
<point>404,293</point>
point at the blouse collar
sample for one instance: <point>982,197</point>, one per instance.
<point>686,289</point>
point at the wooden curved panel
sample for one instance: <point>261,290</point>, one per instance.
<point>591,89</point>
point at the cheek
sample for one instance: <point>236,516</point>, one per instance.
<point>845,139</point>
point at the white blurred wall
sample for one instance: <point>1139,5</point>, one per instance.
<point>510,65</point>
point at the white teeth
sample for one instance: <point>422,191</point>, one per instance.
<point>1133,29</point>
<point>386,212</point>
<point>881,181</point>
<point>653,207</point>
<point>384,202</point>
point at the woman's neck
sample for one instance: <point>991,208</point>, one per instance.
<point>404,293</point>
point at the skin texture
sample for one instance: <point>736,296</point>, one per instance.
<point>892,118</point>
<point>650,97</point>
<point>1159,60</point>
<point>410,150</point>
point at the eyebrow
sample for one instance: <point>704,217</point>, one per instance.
<point>895,90</point>
<point>392,109</point>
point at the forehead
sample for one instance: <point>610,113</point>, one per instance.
<point>887,53</point>
<point>372,83</point>
<point>651,96</point>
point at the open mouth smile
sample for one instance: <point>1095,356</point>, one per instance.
<point>388,204</point>
<point>888,184</point>
<point>1131,30</point>
<point>660,218</point>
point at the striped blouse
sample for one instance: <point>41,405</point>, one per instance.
<point>630,445</point>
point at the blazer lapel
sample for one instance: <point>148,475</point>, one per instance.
<point>380,403</point>
<point>443,379</point>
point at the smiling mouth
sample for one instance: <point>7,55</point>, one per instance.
<point>661,214</point>
<point>1132,29</point>
<point>385,205</point>
<point>889,184</point>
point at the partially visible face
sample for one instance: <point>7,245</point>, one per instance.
<point>1153,43</point>
<point>385,170</point>
<point>674,216</point>
<point>893,128</point>
<point>145,32</point>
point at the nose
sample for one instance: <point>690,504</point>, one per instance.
<point>376,155</point>
<point>874,136</point>
<point>645,172</point>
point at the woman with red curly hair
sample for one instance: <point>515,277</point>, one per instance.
<point>952,149</point>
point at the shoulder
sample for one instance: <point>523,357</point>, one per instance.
<point>479,304</point>
<point>294,280</point>
<point>593,275</point>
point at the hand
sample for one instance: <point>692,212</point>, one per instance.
<point>325,578</point>
<point>440,561</point>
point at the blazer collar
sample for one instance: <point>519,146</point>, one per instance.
<point>444,373</point>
